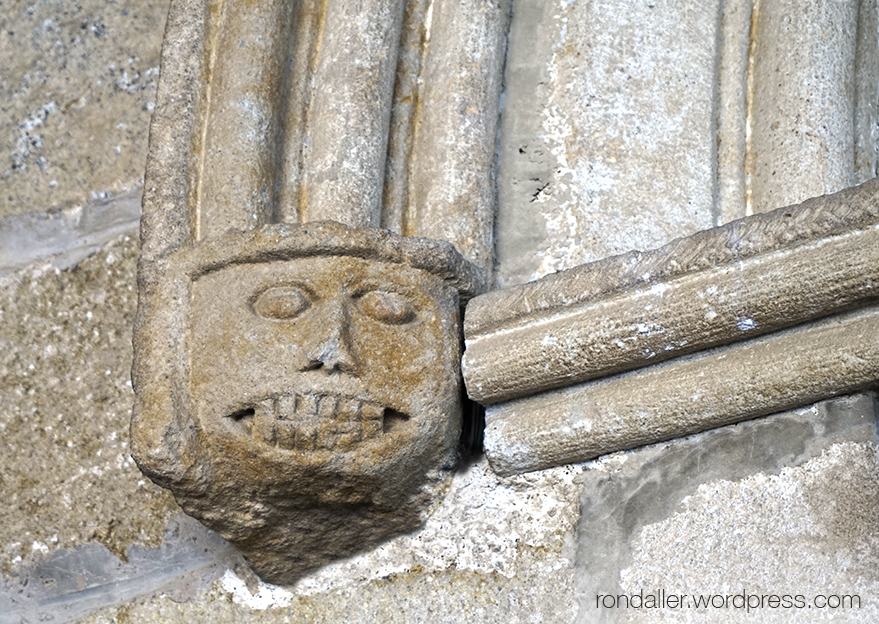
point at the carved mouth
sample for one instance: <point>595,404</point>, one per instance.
<point>309,422</point>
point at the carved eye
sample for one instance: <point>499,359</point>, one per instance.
<point>387,308</point>
<point>281,302</point>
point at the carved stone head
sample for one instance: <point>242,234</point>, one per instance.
<point>298,386</point>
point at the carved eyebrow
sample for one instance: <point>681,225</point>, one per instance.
<point>359,288</point>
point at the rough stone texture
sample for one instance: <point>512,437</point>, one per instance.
<point>66,476</point>
<point>811,473</point>
<point>452,193</point>
<point>733,73</point>
<point>76,92</point>
<point>499,550</point>
<point>298,386</point>
<point>628,124</point>
<point>242,110</point>
<point>494,550</point>
<point>607,138</point>
<point>66,237</point>
<point>474,568</point>
<point>66,584</point>
<point>485,550</point>
<point>712,288</point>
<point>815,537</point>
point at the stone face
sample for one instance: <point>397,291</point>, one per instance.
<point>298,386</point>
<point>496,549</point>
<point>718,286</point>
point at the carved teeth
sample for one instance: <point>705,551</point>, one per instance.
<point>308,422</point>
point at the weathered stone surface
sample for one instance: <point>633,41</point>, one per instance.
<point>498,548</point>
<point>66,237</point>
<point>747,278</point>
<point>608,132</point>
<point>780,371</point>
<point>76,92</point>
<point>691,503</point>
<point>242,109</point>
<point>240,139</point>
<point>66,477</point>
<point>298,386</point>
<point>451,193</point>
<point>469,561</point>
<point>627,124</point>
<point>814,92</point>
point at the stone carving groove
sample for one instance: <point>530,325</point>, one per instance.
<point>297,369</point>
<point>756,276</point>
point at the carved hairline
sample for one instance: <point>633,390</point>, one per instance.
<point>288,241</point>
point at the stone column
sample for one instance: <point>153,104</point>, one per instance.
<point>345,144</point>
<point>243,125</point>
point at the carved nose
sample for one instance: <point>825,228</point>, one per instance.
<point>334,349</point>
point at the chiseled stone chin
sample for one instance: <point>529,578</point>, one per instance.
<point>298,386</point>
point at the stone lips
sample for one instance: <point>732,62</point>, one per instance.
<point>308,422</point>
<point>297,475</point>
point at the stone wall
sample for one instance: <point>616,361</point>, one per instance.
<point>625,124</point>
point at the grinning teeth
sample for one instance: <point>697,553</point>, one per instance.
<point>309,422</point>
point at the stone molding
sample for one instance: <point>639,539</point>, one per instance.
<point>747,278</point>
<point>779,286</point>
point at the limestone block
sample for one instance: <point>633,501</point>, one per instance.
<point>814,90</point>
<point>608,132</point>
<point>77,90</point>
<point>66,476</point>
<point>760,274</point>
<point>347,133</point>
<point>366,124</point>
<point>628,124</point>
<point>452,194</point>
<point>737,281</point>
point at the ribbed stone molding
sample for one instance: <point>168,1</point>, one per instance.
<point>744,283</point>
<point>379,117</point>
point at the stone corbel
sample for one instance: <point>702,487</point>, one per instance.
<point>297,368</point>
<point>764,314</point>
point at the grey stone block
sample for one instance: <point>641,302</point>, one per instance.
<point>651,485</point>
